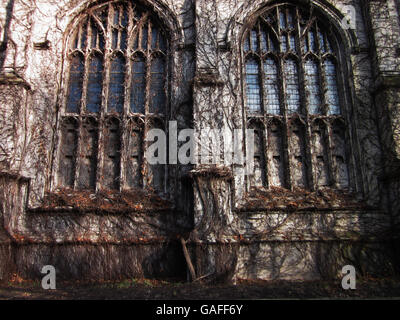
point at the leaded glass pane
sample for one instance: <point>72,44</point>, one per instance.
<point>95,84</point>
<point>157,92</point>
<point>116,86</point>
<point>75,84</point>
<point>271,87</point>
<point>253,86</point>
<point>292,86</point>
<point>332,94</point>
<point>313,87</point>
<point>138,85</point>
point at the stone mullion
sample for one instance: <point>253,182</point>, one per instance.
<point>103,109</point>
<point>142,129</point>
<point>78,153</point>
<point>119,28</point>
<point>323,87</point>
<point>264,135</point>
<point>167,110</point>
<point>327,140</point>
<point>82,109</point>
<point>322,75</point>
<point>303,103</point>
<point>285,143</point>
<point>345,115</point>
<point>310,163</point>
<point>126,108</point>
<point>333,170</point>
<point>64,116</point>
<point>332,174</point>
<point>87,52</point>
<point>309,158</point>
<point>286,153</point>
<point>79,36</point>
<point>302,72</point>
<point>264,147</point>
<point>147,178</point>
<point>152,55</point>
<point>261,72</point>
<point>122,123</point>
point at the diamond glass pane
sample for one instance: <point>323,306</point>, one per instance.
<point>94,86</point>
<point>264,41</point>
<point>246,45</point>
<point>292,86</point>
<point>157,92</point>
<point>271,87</point>
<point>290,19</point>
<point>313,43</point>
<point>253,86</point>
<point>313,87</point>
<point>282,20</point>
<point>321,40</point>
<point>332,94</point>
<point>284,45</point>
<point>75,84</point>
<point>138,85</point>
<point>116,86</point>
<point>292,42</point>
<point>254,40</point>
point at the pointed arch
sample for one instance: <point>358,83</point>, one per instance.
<point>118,74</point>
<point>300,90</point>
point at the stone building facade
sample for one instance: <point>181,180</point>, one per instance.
<point>83,83</point>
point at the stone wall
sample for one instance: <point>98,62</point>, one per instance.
<point>211,205</point>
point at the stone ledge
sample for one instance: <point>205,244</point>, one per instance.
<point>208,79</point>
<point>72,210</point>
<point>261,199</point>
<point>11,78</point>
<point>4,237</point>
<point>387,80</point>
<point>214,171</point>
<point>14,176</point>
<point>102,202</point>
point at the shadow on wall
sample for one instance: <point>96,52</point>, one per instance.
<point>6,30</point>
<point>166,262</point>
<point>102,262</point>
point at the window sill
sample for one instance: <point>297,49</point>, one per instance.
<point>299,200</point>
<point>103,202</point>
<point>12,78</point>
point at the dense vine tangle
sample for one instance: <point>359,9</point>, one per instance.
<point>293,74</point>
<point>117,89</point>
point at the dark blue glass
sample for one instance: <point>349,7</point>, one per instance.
<point>75,84</point>
<point>95,84</point>
<point>116,87</point>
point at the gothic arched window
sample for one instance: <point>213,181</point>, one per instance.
<point>116,91</point>
<point>294,100</point>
